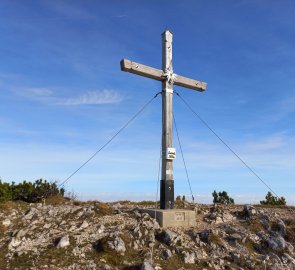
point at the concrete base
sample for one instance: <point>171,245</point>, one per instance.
<point>172,217</point>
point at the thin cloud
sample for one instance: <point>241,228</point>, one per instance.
<point>284,108</point>
<point>69,10</point>
<point>275,151</point>
<point>39,92</point>
<point>275,142</point>
<point>120,16</point>
<point>289,105</point>
<point>95,98</point>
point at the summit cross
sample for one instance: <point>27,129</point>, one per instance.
<point>168,79</point>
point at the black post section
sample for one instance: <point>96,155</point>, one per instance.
<point>167,194</point>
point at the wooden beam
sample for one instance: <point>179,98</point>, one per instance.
<point>146,71</point>
<point>190,83</point>
<point>167,182</point>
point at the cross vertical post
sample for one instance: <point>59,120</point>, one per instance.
<point>168,78</point>
<point>167,182</point>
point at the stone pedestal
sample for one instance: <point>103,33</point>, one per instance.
<point>172,217</point>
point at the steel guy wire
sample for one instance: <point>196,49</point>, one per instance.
<point>181,151</point>
<point>111,139</point>
<point>225,144</point>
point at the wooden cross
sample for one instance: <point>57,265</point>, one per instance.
<point>168,78</point>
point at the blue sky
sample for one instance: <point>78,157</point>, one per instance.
<point>62,95</point>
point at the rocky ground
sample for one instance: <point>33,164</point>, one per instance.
<point>73,235</point>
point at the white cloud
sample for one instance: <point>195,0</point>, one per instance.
<point>269,143</point>
<point>39,92</point>
<point>94,97</point>
<point>272,152</point>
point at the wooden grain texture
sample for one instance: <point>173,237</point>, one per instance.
<point>139,69</point>
<point>157,74</point>
<point>167,165</point>
<point>190,83</point>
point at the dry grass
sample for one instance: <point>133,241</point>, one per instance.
<point>176,262</point>
<point>3,263</point>
<point>250,246</point>
<point>102,209</point>
<point>255,226</point>
<point>290,237</point>
<point>56,200</point>
<point>274,206</point>
<point>149,204</point>
<point>7,207</point>
<point>102,251</point>
<point>215,239</point>
<point>52,256</point>
<point>3,230</point>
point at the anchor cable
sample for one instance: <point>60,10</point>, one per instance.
<point>225,144</point>
<point>110,140</point>
<point>181,151</point>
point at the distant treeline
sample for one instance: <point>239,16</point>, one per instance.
<point>29,191</point>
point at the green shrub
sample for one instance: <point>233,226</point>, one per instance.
<point>222,197</point>
<point>272,200</point>
<point>5,192</point>
<point>28,191</point>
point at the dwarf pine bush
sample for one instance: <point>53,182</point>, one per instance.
<point>272,200</point>
<point>28,191</point>
<point>222,197</point>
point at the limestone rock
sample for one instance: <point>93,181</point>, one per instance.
<point>264,241</point>
<point>84,225</point>
<point>18,234</point>
<point>274,241</point>
<point>235,236</point>
<point>171,238</point>
<point>14,243</point>
<point>118,245</point>
<point>282,227</point>
<point>31,213</point>
<point>289,247</point>
<point>63,242</point>
<point>250,211</point>
<point>288,259</point>
<point>100,229</point>
<point>204,235</point>
<point>6,222</point>
<point>189,258</point>
<point>146,266</point>
<point>167,254</point>
<point>265,220</point>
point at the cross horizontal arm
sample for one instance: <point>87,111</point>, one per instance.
<point>158,74</point>
<point>146,71</point>
<point>190,83</point>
